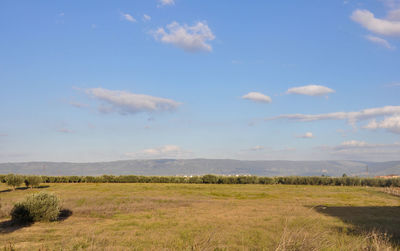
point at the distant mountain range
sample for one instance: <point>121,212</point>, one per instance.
<point>205,166</point>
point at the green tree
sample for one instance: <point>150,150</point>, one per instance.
<point>14,180</point>
<point>33,181</point>
<point>210,179</point>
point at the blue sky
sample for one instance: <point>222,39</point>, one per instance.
<point>110,80</point>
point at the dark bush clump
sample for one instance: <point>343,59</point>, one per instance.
<point>33,181</point>
<point>36,207</point>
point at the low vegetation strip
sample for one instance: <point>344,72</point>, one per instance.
<point>220,179</point>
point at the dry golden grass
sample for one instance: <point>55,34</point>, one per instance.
<point>392,190</point>
<point>209,217</point>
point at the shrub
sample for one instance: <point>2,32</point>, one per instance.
<point>36,207</point>
<point>14,180</point>
<point>33,181</point>
<point>210,179</point>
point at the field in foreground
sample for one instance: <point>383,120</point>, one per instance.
<point>209,217</point>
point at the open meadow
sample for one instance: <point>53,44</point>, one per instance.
<point>108,216</point>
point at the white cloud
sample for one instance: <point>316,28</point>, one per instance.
<point>146,17</point>
<point>189,38</point>
<point>165,2</point>
<point>310,90</point>
<point>125,102</point>
<point>78,104</point>
<point>307,135</point>
<point>167,151</point>
<point>380,26</point>
<point>128,17</point>
<point>257,148</point>
<point>361,150</point>
<point>257,97</point>
<point>353,143</point>
<point>351,117</point>
<point>391,124</point>
<point>380,41</point>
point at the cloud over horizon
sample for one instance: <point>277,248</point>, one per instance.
<point>166,151</point>
<point>125,102</point>
<point>361,150</point>
<point>307,135</point>
<point>350,117</point>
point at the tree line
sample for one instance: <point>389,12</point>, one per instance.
<point>32,180</point>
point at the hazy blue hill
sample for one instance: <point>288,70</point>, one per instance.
<point>204,166</point>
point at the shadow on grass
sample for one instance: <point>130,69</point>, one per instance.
<point>64,214</point>
<point>368,219</point>
<point>23,188</point>
<point>10,226</point>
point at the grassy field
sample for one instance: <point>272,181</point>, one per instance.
<point>209,217</point>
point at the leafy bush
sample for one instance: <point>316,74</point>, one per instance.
<point>210,179</point>
<point>14,180</point>
<point>33,181</point>
<point>36,207</point>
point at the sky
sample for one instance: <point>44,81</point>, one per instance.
<point>88,81</point>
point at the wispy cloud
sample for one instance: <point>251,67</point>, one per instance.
<point>393,85</point>
<point>394,15</point>
<point>65,130</point>
<point>380,41</point>
<point>189,38</point>
<point>352,143</point>
<point>78,104</point>
<point>257,97</point>
<point>362,150</point>
<point>167,151</point>
<point>146,18</point>
<point>128,17</point>
<point>351,117</point>
<point>257,148</point>
<point>307,135</point>
<point>125,102</point>
<point>310,90</point>
<point>165,2</point>
<point>391,4</point>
